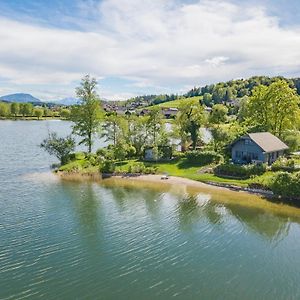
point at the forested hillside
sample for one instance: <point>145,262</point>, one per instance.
<point>232,90</point>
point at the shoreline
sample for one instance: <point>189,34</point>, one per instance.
<point>157,178</point>
<point>185,186</point>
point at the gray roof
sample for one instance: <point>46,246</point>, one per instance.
<point>267,141</point>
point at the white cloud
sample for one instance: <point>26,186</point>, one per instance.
<point>157,43</point>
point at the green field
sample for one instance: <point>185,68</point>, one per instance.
<point>178,167</point>
<point>176,103</point>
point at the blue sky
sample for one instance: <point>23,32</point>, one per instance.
<point>138,47</point>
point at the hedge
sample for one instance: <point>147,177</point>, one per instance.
<point>286,185</point>
<point>283,164</point>
<point>241,171</point>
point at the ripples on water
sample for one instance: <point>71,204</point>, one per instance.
<point>63,240</point>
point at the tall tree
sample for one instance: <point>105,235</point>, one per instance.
<point>113,128</point>
<point>189,120</point>
<point>274,108</point>
<point>26,109</point>
<point>38,112</point>
<point>14,109</point>
<point>218,114</point>
<point>4,109</point>
<point>155,125</point>
<point>137,132</point>
<point>87,116</point>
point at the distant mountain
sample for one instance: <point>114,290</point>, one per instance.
<point>67,101</point>
<point>20,97</point>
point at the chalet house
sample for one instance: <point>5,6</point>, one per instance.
<point>257,147</point>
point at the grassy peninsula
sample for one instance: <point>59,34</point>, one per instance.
<point>143,144</point>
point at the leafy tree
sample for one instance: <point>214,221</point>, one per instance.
<point>207,99</point>
<point>38,112</point>
<point>274,108</point>
<point>218,95</point>
<point>189,120</point>
<point>228,95</point>
<point>222,136</point>
<point>154,125</point>
<point>113,128</point>
<point>26,109</point>
<point>137,133</point>
<point>59,146</point>
<point>65,113</point>
<point>292,139</point>
<point>15,109</point>
<point>218,114</point>
<point>87,116</point>
<point>4,109</point>
<point>47,112</point>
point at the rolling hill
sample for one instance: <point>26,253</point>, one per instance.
<point>20,97</point>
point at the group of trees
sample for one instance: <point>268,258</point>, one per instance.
<point>14,110</point>
<point>273,108</point>
<point>223,92</point>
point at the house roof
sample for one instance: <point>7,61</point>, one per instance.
<point>267,141</point>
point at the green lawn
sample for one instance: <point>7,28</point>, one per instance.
<point>179,168</point>
<point>191,171</point>
<point>176,103</point>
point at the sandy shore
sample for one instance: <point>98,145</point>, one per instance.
<point>174,181</point>
<point>184,186</point>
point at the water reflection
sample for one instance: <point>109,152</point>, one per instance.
<point>194,208</point>
<point>87,210</point>
<point>269,226</point>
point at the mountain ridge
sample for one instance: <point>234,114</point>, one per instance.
<point>20,98</point>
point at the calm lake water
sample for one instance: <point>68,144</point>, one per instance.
<point>62,240</point>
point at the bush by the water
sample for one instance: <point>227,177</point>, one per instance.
<point>107,167</point>
<point>203,157</point>
<point>135,168</point>
<point>241,171</point>
<point>286,184</point>
<point>140,168</point>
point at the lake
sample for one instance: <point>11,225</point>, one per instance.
<point>68,240</point>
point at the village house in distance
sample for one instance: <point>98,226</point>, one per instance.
<point>261,147</point>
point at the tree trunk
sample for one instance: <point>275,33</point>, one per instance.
<point>90,142</point>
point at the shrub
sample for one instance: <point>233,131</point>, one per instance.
<point>59,146</point>
<point>137,168</point>
<point>243,171</point>
<point>283,164</point>
<point>107,153</point>
<point>204,157</point>
<point>286,185</point>
<point>131,151</point>
<point>178,154</point>
<point>92,159</point>
<point>107,167</point>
